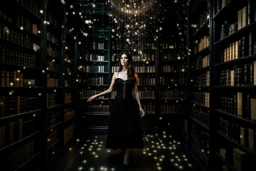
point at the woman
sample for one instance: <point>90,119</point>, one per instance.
<point>124,131</point>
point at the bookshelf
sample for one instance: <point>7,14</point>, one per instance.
<point>33,101</point>
<point>94,68</point>
<point>234,67</point>
<point>173,81</point>
<point>231,115</point>
<point>199,77</point>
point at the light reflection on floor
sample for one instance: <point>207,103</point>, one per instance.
<point>161,152</point>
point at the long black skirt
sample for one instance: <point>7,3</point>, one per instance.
<point>124,129</point>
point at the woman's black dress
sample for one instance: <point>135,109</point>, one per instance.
<point>124,129</point>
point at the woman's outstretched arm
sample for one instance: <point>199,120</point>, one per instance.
<point>109,90</point>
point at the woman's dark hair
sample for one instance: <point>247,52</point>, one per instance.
<point>130,67</point>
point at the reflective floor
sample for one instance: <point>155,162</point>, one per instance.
<point>162,151</point>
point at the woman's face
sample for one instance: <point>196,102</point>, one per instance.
<point>124,60</point>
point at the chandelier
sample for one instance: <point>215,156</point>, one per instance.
<point>134,7</point>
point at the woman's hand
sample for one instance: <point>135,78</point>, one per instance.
<point>91,98</point>
<point>142,112</point>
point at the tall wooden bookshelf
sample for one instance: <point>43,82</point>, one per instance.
<point>94,68</point>
<point>229,123</point>
<point>199,76</point>
<point>234,49</point>
<point>32,118</point>
<point>172,83</point>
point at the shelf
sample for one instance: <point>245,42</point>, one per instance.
<point>172,61</point>
<point>171,73</point>
<point>19,141</point>
<point>53,126</point>
<point>202,53</point>
<point>248,150</point>
<point>102,114</point>
<point>225,162</point>
<point>56,142</point>
<point>201,30</point>
<point>97,50</point>
<point>29,13</point>
<point>199,123</point>
<point>245,122</point>
<point>202,157</point>
<point>198,104</point>
<point>54,106</point>
<point>203,88</point>
<point>19,115</point>
<point>237,88</point>
<point>199,70</point>
<point>236,35</point>
<point>17,46</point>
<point>16,28</point>
<point>27,162</point>
<point>230,8</point>
<point>236,61</point>
<point>104,85</point>
<point>70,120</point>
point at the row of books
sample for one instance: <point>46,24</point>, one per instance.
<point>33,6</point>
<point>239,104</point>
<point>69,133</point>
<point>96,109</point>
<point>15,37</point>
<point>172,109</point>
<point>167,45</point>
<point>94,57</point>
<point>68,98</point>
<point>245,17</point>
<point>239,49</point>
<point>16,57</point>
<point>202,44</point>
<point>237,158</point>
<point>171,68</point>
<point>202,80</point>
<point>201,115</point>
<point>17,156</point>
<point>52,38</point>
<point>93,68</point>
<point>173,95</point>
<point>202,98</point>
<point>149,108</point>
<point>240,134</point>
<point>52,82</point>
<point>201,62</point>
<point>240,75</point>
<point>176,81</point>
<point>120,47</point>
<point>53,117</point>
<point>139,69</point>
<point>200,139</point>
<point>52,137</point>
<point>51,99</point>
<point>16,130</point>
<point>171,56</point>
<point>69,114</point>
<point>11,105</point>
<point>25,24</point>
